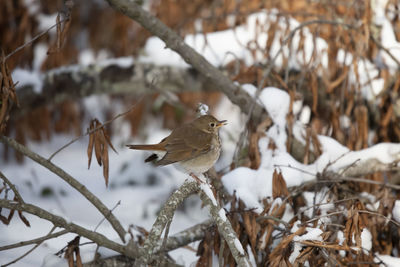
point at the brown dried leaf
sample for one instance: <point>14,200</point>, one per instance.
<point>107,138</point>
<point>58,41</point>
<point>91,143</point>
<point>98,146</point>
<point>251,227</point>
<point>104,156</point>
<point>78,257</point>
<point>61,33</point>
<point>6,220</point>
<point>71,248</point>
<point>276,255</point>
<point>24,219</point>
<point>4,106</point>
<point>303,256</point>
<point>279,188</point>
<point>316,144</point>
<point>314,90</point>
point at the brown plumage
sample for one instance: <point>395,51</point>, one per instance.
<point>195,146</point>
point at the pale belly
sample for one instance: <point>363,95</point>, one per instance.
<point>202,163</point>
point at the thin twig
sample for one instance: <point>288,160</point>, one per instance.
<point>70,180</point>
<point>12,186</point>
<point>328,203</point>
<point>111,210</point>
<point>29,251</point>
<point>94,130</point>
<point>385,49</point>
<point>34,241</point>
<point>35,38</point>
<point>359,180</point>
<point>294,168</point>
<point>380,215</point>
<point>323,216</point>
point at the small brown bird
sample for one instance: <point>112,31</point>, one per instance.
<point>194,146</point>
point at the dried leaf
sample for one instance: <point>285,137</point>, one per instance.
<point>23,219</point>
<point>98,144</point>
<point>107,138</point>
<point>72,247</point>
<point>314,90</point>
<point>91,143</point>
<point>279,188</point>
<point>105,163</point>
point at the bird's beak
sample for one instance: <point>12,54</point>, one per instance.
<point>222,123</point>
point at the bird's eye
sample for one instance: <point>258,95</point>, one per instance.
<point>212,124</point>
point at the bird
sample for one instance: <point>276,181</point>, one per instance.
<point>193,147</point>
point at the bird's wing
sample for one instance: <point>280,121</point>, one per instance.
<point>185,144</point>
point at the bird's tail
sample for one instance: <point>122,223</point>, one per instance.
<point>156,147</point>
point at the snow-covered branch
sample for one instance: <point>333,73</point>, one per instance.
<point>224,226</point>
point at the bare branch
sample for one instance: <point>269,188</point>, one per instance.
<point>70,180</point>
<point>34,241</point>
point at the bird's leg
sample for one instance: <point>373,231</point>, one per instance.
<point>194,176</point>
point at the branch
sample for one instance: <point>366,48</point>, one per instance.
<point>151,245</point>
<point>176,43</point>
<point>224,226</point>
<point>70,180</point>
<point>58,221</point>
<point>34,241</point>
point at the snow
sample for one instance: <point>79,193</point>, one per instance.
<point>387,261</point>
<point>203,109</point>
<point>54,261</point>
<point>27,78</point>
<point>312,234</point>
<point>396,211</point>
<point>207,190</point>
<point>366,240</point>
<point>222,214</point>
<point>46,21</point>
<point>322,198</point>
